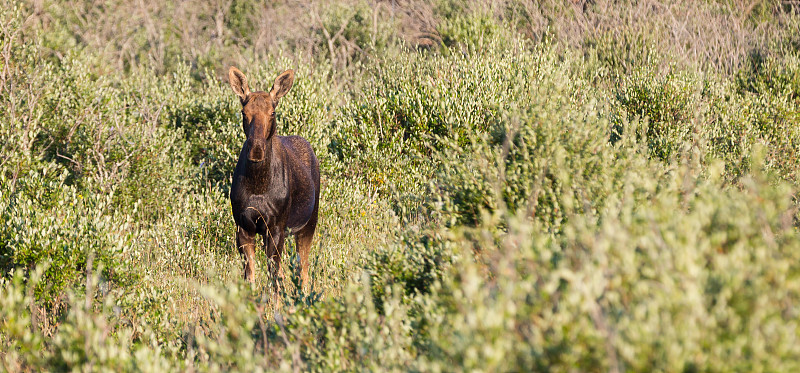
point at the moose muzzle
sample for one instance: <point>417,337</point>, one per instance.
<point>258,150</point>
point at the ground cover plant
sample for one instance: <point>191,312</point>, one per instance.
<point>506,186</point>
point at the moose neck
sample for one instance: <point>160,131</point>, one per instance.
<point>261,173</point>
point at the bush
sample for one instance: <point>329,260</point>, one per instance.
<point>550,157</point>
<point>45,221</point>
<point>667,103</point>
<point>758,108</point>
<point>608,292</point>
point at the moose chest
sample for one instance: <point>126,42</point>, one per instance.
<point>255,212</point>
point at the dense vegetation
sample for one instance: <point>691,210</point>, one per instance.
<point>507,185</point>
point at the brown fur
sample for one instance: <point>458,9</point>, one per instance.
<point>276,180</point>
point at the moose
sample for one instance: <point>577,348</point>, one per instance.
<point>275,182</point>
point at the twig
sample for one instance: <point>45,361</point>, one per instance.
<point>264,340</point>
<point>295,354</point>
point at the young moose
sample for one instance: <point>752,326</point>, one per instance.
<point>276,181</point>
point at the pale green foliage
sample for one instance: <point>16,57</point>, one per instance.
<point>488,204</point>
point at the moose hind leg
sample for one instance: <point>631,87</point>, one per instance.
<point>304,237</point>
<point>245,242</point>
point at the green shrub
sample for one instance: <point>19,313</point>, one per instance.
<point>474,30</point>
<point>45,221</point>
<point>759,107</point>
<point>771,75</point>
<point>550,157</point>
<point>668,104</point>
<point>608,293</point>
<point>623,54</point>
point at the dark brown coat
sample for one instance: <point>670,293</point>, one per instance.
<point>276,180</point>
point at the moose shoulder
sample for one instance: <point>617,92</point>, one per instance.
<point>276,180</point>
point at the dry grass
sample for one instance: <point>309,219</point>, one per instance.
<point>718,35</point>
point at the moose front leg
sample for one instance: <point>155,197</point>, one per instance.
<point>273,246</point>
<point>246,242</point>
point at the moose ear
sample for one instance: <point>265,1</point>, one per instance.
<point>239,83</point>
<point>282,85</point>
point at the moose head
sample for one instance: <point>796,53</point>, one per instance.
<point>258,110</point>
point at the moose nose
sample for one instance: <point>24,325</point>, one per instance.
<point>256,153</point>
